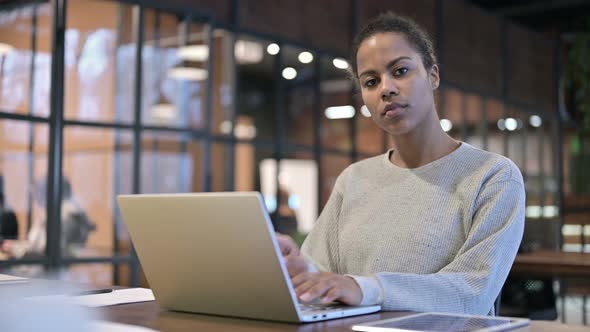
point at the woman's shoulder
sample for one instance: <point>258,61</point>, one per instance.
<point>494,166</point>
<point>363,170</point>
<point>368,165</point>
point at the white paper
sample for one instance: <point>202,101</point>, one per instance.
<point>117,296</point>
<point>117,327</point>
<point>8,279</point>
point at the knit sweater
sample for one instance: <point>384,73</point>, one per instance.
<point>440,237</point>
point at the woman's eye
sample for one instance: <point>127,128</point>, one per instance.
<point>370,83</point>
<point>401,71</point>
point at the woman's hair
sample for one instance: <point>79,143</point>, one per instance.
<point>390,22</point>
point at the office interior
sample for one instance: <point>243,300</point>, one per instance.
<point>100,98</point>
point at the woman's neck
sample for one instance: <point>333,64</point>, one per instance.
<point>422,145</point>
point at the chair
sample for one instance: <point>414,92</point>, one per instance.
<point>533,298</point>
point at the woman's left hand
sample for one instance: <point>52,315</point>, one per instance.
<point>328,287</point>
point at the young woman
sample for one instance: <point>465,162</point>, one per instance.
<point>434,224</point>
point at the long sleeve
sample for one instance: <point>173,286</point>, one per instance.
<point>473,279</point>
<point>321,246</point>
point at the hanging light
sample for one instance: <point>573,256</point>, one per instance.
<point>535,121</point>
<point>305,57</point>
<point>248,52</point>
<point>5,48</point>
<point>511,124</point>
<point>188,73</point>
<point>446,124</point>
<point>365,111</point>
<point>339,112</point>
<point>197,53</point>
<point>273,49</point>
<point>289,73</point>
<point>340,63</point>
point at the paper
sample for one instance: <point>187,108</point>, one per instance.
<point>8,279</point>
<point>117,327</point>
<point>118,296</point>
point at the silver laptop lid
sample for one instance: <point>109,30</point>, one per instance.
<point>211,253</point>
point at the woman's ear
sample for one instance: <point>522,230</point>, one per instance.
<point>434,77</point>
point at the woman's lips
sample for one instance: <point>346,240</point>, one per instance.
<point>392,111</point>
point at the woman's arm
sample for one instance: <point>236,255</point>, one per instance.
<point>471,282</point>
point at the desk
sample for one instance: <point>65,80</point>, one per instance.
<point>548,264</point>
<point>149,314</point>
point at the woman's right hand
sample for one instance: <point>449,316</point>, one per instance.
<point>293,259</point>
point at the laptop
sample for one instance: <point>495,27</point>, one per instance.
<point>216,253</point>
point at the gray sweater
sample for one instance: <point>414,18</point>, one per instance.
<point>440,237</point>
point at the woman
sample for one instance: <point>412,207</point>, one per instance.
<point>432,225</point>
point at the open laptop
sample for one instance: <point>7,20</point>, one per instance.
<point>216,253</point>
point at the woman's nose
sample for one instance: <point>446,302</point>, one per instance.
<point>389,87</point>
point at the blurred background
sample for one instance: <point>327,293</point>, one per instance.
<point>100,98</point>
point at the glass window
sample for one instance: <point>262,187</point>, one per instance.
<point>99,62</point>
<point>474,120</point>
<point>170,163</point>
<point>297,208</point>
<point>337,107</point>
<point>175,59</point>
<point>331,167</point>
<point>25,64</point>
<point>23,158</point>
<point>550,185</point>
<point>370,139</point>
<point>257,177</point>
<point>221,154</point>
<point>496,127</point>
<point>88,214</point>
<point>453,105</point>
<point>515,135</point>
<point>533,162</point>
<point>224,75</point>
<point>257,87</point>
<point>298,75</point>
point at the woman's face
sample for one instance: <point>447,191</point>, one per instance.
<point>395,86</point>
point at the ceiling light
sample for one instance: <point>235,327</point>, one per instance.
<point>245,131</point>
<point>550,211</point>
<point>511,124</point>
<point>248,52</point>
<point>188,73</point>
<point>273,49</point>
<point>501,124</point>
<point>340,63</point>
<point>533,211</point>
<point>339,112</point>
<point>194,53</point>
<point>305,57</point>
<point>5,48</point>
<point>535,121</point>
<point>446,124</point>
<point>289,73</point>
<point>164,112</point>
<point>225,127</point>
